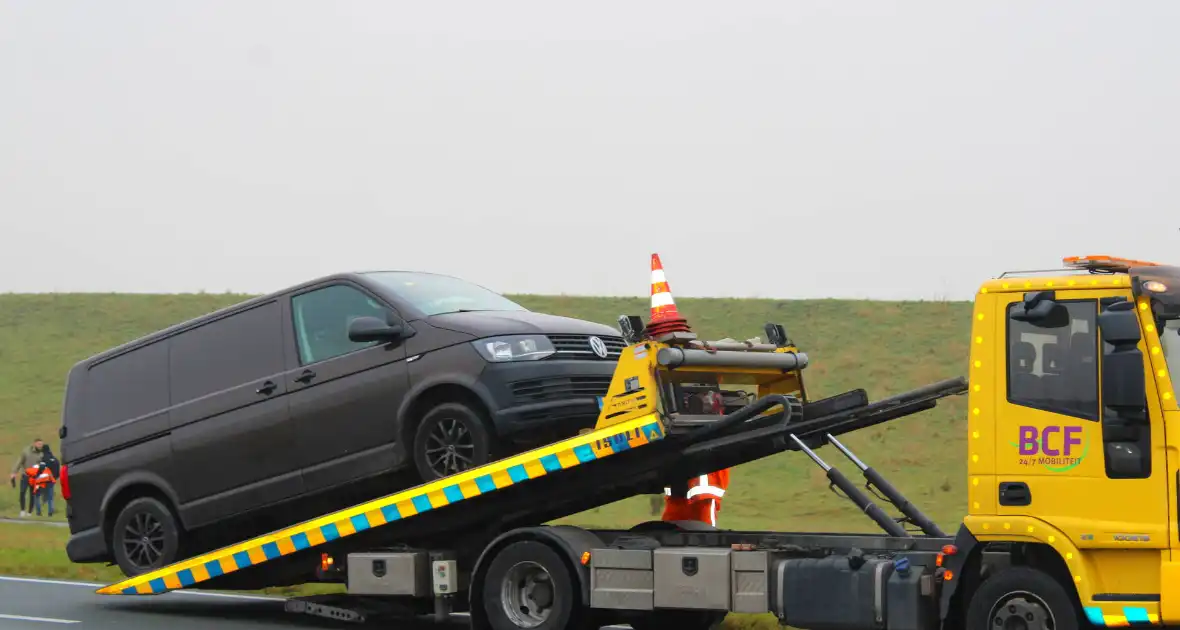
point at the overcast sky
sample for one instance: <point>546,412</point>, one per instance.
<point>775,149</point>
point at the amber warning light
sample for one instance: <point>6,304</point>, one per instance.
<point>1105,263</point>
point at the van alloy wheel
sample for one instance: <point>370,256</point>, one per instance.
<point>451,438</point>
<point>143,540</point>
<point>146,536</point>
<point>450,447</point>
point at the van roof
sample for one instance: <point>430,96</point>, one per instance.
<point>355,276</point>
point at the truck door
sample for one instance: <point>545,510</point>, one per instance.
<point>1096,473</point>
<point>344,394</point>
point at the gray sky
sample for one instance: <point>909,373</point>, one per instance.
<point>775,149</point>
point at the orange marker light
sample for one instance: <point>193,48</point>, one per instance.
<point>326,562</point>
<point>585,558</point>
<point>1110,263</point>
<point>948,576</point>
<point>950,550</point>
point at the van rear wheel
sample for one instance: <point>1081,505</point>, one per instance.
<point>146,537</point>
<point>451,438</point>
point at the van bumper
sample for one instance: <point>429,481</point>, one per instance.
<point>540,401</point>
<point>88,545</point>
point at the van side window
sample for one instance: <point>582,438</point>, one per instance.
<point>321,321</point>
<point>227,352</point>
<point>1053,368</point>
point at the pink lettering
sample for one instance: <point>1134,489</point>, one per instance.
<point>1052,452</point>
<point>1028,440</point>
<point>1071,439</point>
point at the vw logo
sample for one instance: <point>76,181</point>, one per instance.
<point>598,347</point>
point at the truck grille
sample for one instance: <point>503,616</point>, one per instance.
<point>559,388</point>
<point>578,347</point>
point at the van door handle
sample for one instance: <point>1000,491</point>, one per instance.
<point>305,376</point>
<point>266,388</point>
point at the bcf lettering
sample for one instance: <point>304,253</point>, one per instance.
<point>1034,441</point>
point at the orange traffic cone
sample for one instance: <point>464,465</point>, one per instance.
<point>666,323</point>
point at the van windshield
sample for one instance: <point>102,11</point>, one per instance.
<point>436,294</point>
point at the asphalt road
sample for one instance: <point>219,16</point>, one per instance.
<point>31,604</point>
<point>46,604</point>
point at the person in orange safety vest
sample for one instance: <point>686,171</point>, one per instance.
<point>40,479</point>
<point>699,499</point>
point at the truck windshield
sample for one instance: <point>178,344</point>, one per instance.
<point>1170,339</point>
<point>437,294</point>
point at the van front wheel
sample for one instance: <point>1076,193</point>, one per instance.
<point>146,537</point>
<point>451,438</point>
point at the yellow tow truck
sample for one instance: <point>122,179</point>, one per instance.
<point>1071,506</point>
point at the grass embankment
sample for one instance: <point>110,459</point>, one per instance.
<point>884,347</point>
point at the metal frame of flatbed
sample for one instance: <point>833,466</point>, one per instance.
<point>743,436</point>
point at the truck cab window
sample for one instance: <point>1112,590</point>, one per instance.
<point>1053,368</point>
<point>1170,340</point>
<point>322,317</point>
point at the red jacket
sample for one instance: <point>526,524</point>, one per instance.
<point>39,477</point>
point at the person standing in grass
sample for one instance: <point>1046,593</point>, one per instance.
<point>50,469</point>
<point>41,481</point>
<point>31,456</point>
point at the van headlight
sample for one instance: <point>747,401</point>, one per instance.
<point>514,348</point>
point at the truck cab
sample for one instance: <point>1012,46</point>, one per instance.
<point>1070,460</point>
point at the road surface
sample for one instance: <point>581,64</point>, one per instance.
<point>47,604</point>
<point>34,604</point>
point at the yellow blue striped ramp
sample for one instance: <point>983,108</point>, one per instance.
<point>398,506</point>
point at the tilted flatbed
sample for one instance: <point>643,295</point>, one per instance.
<point>417,550</point>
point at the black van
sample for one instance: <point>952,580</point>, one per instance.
<point>312,399</point>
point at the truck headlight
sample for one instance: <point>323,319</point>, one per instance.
<point>514,348</point>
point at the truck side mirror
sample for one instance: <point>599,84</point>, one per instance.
<point>1040,309</point>
<point>1124,388</point>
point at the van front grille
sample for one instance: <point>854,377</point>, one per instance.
<point>578,347</point>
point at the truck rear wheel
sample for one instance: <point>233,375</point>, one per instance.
<point>451,438</point>
<point>146,537</point>
<point>528,586</point>
<point>1022,598</point>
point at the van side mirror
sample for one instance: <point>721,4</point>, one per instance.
<point>365,329</point>
<point>1124,388</point>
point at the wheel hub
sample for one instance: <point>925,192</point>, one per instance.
<point>1021,613</point>
<point>143,540</point>
<point>527,595</point>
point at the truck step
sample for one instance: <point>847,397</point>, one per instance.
<point>325,610</point>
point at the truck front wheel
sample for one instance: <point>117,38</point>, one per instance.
<point>527,586</point>
<point>1022,598</point>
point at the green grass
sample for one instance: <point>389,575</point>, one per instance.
<point>884,347</point>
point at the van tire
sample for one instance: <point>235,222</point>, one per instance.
<point>1026,592</point>
<point>145,518</point>
<point>453,426</point>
